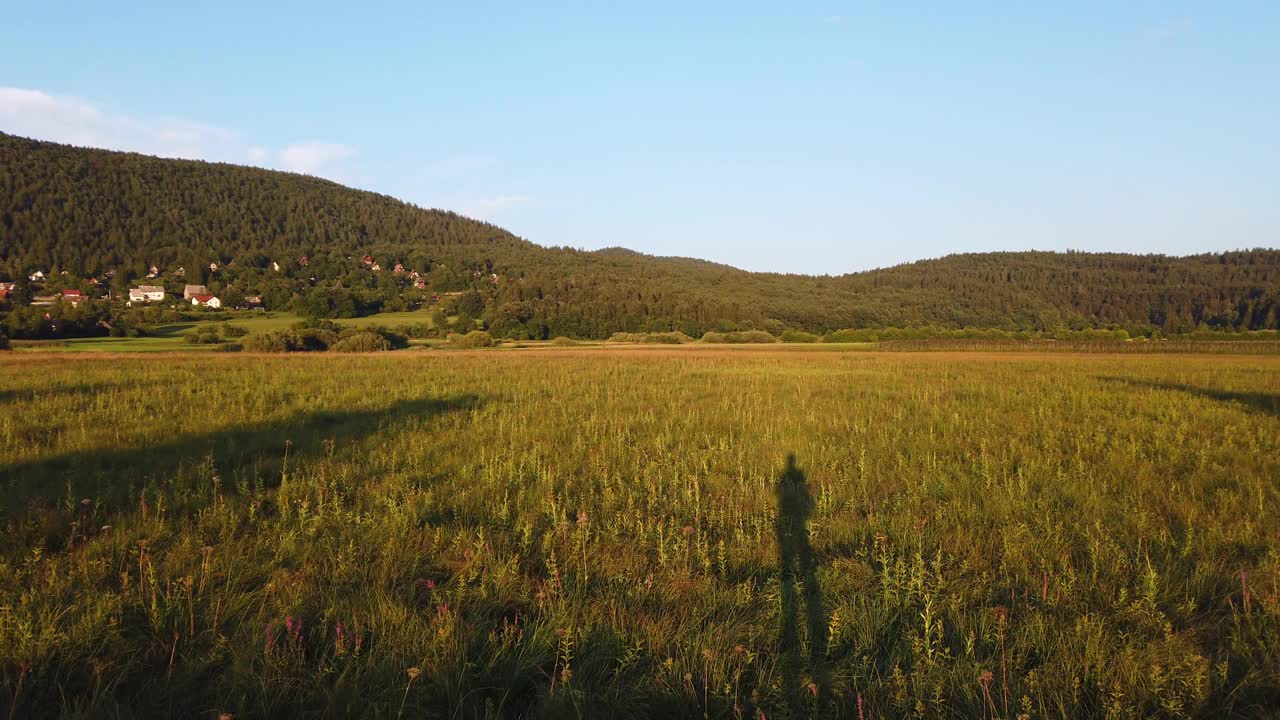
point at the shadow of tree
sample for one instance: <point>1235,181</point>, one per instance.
<point>114,476</point>
<point>797,564</point>
<point>1268,403</point>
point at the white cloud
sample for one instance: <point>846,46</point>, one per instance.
<point>70,120</point>
<point>312,157</point>
<point>73,121</point>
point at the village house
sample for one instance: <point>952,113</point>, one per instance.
<point>4,295</point>
<point>146,294</point>
<point>6,286</point>
<point>43,300</point>
<point>398,268</point>
<point>75,297</point>
<point>252,301</point>
<point>209,301</point>
<point>275,266</point>
<point>376,267</point>
<point>213,267</point>
<point>180,272</point>
<point>153,272</point>
<point>303,261</point>
<point>191,291</point>
<point>37,276</point>
<point>367,259</point>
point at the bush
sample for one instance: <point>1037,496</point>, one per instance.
<point>233,331</point>
<point>742,336</point>
<point>659,338</point>
<point>667,338</point>
<point>395,339</point>
<point>563,341</point>
<point>362,342</point>
<point>799,336</point>
<point>277,341</point>
<point>473,339</point>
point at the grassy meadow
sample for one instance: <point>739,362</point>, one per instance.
<point>625,532</point>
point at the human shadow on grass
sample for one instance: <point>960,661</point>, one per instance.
<point>111,477</point>
<point>1268,403</point>
<point>798,564</point>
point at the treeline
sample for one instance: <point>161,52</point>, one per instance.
<point>298,243</point>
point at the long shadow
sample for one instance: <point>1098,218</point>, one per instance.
<point>797,563</point>
<point>1268,403</point>
<point>114,476</point>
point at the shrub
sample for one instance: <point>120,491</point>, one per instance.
<point>799,336</point>
<point>277,341</point>
<point>658,338</point>
<point>316,339</point>
<point>362,342</point>
<point>741,336</point>
<point>473,339</point>
<point>563,341</point>
<point>233,331</point>
<point>395,339</point>
<point>667,338</point>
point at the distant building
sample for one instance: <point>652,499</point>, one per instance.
<point>146,294</point>
<point>6,286</point>
<point>252,301</point>
<point>367,259</point>
<point>213,267</point>
<point>153,272</point>
<point>398,268</point>
<point>209,301</point>
<point>37,276</point>
<point>75,297</point>
<point>191,291</point>
<point>275,266</point>
<point>44,300</point>
<point>303,261</point>
<point>376,267</point>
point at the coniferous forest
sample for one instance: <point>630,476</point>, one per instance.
<point>105,219</point>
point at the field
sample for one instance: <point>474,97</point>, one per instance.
<point>619,532</point>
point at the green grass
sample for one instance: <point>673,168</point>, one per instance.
<point>587,533</point>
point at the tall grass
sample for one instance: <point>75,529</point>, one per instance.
<point>596,534</point>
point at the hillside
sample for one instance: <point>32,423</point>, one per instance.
<point>87,212</point>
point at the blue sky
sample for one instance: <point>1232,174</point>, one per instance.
<point>797,137</point>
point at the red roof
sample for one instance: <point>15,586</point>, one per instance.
<point>202,299</point>
<point>71,293</point>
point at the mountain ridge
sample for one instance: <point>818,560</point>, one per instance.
<point>88,211</point>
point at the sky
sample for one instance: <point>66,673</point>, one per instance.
<point>810,137</point>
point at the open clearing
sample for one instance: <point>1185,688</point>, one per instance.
<point>604,532</point>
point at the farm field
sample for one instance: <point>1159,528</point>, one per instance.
<point>640,532</point>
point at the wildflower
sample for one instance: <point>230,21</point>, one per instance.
<point>269,638</point>
<point>813,689</point>
<point>414,672</point>
<point>860,715</point>
<point>687,530</point>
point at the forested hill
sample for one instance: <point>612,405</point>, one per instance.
<point>87,212</point>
